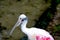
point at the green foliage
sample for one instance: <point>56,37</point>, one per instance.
<point>58,1</point>
<point>45,21</point>
<point>1,0</point>
<point>1,13</point>
<point>49,15</point>
<point>24,38</point>
<point>56,28</point>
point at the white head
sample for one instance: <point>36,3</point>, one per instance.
<point>22,16</point>
<point>21,20</point>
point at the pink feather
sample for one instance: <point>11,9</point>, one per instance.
<point>42,38</point>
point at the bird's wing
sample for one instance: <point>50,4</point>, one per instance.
<point>38,37</point>
<point>40,34</point>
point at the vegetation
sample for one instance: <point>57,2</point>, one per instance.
<point>56,28</point>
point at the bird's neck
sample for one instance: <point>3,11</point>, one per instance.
<point>23,27</point>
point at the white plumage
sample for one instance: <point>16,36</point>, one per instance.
<point>32,33</point>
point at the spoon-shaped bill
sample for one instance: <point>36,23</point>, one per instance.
<point>17,24</point>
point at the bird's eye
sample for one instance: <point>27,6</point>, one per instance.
<point>22,20</point>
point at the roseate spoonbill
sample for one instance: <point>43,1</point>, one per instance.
<point>32,33</point>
